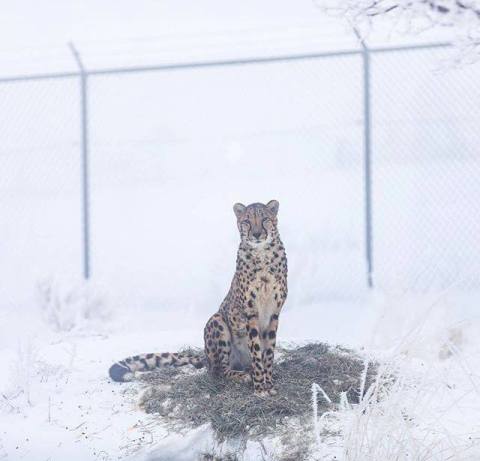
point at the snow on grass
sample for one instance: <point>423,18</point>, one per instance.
<point>425,401</point>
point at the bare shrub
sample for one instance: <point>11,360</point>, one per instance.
<point>71,306</point>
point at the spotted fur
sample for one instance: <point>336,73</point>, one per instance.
<point>240,338</point>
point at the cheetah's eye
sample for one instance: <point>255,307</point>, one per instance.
<point>246,223</point>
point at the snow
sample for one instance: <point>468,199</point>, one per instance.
<point>73,409</point>
<point>69,407</point>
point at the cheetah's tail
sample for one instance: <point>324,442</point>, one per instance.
<point>124,370</point>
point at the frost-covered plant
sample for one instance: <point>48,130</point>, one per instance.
<point>24,368</point>
<point>18,394</point>
<point>71,306</point>
<point>29,373</point>
<point>420,406</point>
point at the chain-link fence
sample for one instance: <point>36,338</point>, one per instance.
<point>128,176</point>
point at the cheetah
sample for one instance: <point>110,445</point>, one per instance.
<point>240,337</point>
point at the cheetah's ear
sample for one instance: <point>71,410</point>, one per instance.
<point>238,208</point>
<point>273,205</point>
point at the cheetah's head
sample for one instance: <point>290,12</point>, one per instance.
<point>257,222</point>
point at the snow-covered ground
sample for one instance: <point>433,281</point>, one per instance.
<point>57,401</point>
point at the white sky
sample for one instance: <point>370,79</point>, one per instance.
<point>57,20</point>
<point>34,34</point>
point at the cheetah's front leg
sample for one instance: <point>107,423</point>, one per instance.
<point>268,351</point>
<point>255,352</point>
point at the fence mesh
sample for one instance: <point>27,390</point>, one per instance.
<point>426,165</point>
<point>181,147</point>
<point>40,231</point>
<point>171,151</point>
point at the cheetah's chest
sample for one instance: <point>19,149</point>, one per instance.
<point>265,288</point>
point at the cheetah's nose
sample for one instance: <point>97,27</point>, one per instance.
<point>257,234</point>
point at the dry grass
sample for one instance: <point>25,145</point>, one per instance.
<point>187,398</point>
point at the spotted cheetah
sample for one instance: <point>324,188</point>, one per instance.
<point>240,337</point>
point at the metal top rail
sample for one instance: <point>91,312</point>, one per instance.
<point>221,62</point>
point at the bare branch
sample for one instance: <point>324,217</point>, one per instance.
<point>461,16</point>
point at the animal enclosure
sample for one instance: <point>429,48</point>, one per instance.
<point>128,175</point>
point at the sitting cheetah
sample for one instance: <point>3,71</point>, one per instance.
<point>240,337</point>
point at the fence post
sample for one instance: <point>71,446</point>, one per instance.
<point>367,162</point>
<point>84,156</point>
